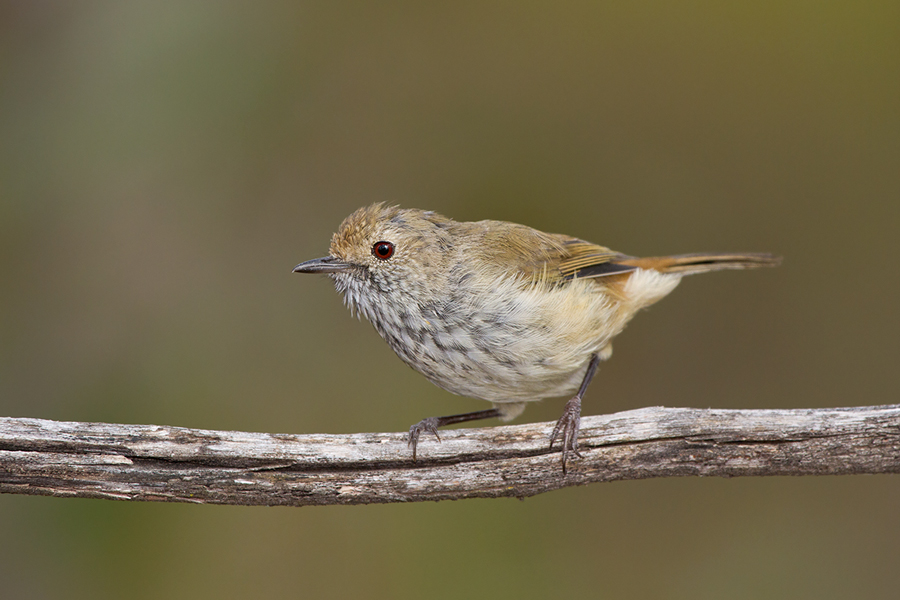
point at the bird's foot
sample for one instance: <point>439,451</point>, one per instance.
<point>568,425</point>
<point>432,423</point>
<point>429,425</point>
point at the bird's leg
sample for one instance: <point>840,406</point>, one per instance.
<point>432,423</point>
<point>570,421</point>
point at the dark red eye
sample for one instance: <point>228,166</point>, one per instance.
<point>383,250</point>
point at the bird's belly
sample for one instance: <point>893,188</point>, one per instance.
<point>513,346</point>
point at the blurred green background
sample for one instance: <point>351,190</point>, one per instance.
<point>164,165</point>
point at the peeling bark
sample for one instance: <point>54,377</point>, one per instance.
<point>174,464</point>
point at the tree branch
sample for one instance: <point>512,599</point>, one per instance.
<point>148,462</point>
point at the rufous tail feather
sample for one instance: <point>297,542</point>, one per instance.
<point>688,264</point>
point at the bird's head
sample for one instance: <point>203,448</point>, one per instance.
<point>383,250</point>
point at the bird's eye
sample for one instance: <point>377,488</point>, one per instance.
<point>383,250</point>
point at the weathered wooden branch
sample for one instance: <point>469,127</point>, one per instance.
<point>148,462</point>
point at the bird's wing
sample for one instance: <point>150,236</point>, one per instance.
<point>585,260</point>
<point>513,249</point>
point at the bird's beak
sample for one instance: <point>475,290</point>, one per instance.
<point>328,264</point>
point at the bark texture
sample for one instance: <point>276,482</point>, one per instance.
<point>174,464</point>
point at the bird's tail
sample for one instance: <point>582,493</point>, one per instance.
<point>688,264</point>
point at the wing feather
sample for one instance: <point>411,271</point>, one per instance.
<point>516,249</point>
<point>587,260</point>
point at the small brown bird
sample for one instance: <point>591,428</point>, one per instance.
<point>496,310</point>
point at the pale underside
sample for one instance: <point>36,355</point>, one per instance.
<point>512,342</point>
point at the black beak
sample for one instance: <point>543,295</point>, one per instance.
<point>328,264</point>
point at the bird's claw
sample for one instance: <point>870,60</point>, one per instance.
<point>568,425</point>
<point>428,425</point>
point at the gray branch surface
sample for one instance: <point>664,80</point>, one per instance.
<point>174,464</point>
